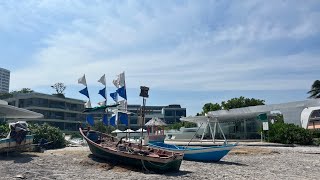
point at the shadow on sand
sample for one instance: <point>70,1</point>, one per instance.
<point>112,164</point>
<point>230,163</point>
<point>17,157</point>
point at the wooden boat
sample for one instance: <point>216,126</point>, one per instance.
<point>112,148</point>
<point>208,154</point>
<point>10,144</point>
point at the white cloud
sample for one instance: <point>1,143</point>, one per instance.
<point>210,46</point>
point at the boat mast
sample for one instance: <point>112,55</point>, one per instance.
<point>144,94</point>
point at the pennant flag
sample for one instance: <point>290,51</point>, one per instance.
<point>113,121</point>
<point>122,81</point>
<point>90,119</point>
<point>122,92</point>
<point>114,96</point>
<point>87,104</point>
<point>102,92</point>
<point>102,80</point>
<point>82,80</point>
<point>124,118</point>
<point>105,119</point>
<point>103,103</point>
<point>116,82</point>
<point>122,105</point>
<point>85,92</point>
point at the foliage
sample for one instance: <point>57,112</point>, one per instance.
<point>75,135</point>
<point>231,104</point>
<point>10,95</point>
<point>315,133</point>
<point>59,87</point>
<point>99,126</point>
<point>178,125</point>
<point>241,102</point>
<point>50,133</point>
<point>23,91</point>
<point>315,90</point>
<point>210,107</point>
<point>280,132</point>
<point>4,129</point>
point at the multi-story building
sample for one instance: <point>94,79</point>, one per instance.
<point>4,80</point>
<point>169,114</point>
<point>66,113</point>
<point>59,111</point>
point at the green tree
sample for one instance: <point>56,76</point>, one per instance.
<point>241,102</point>
<point>315,90</point>
<point>9,95</point>
<point>99,126</point>
<point>59,87</point>
<point>210,107</point>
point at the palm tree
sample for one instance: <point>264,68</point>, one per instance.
<point>315,90</point>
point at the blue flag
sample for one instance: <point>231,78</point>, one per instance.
<point>85,92</point>
<point>105,119</point>
<point>113,121</point>
<point>114,96</point>
<point>102,92</point>
<point>90,119</point>
<point>122,92</point>
<point>124,118</point>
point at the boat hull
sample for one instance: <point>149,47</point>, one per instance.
<point>158,165</point>
<point>9,144</point>
<point>206,154</point>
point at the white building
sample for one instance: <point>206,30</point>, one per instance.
<point>4,80</point>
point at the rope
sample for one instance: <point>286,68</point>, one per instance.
<point>145,168</point>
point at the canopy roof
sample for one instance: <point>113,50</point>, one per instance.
<point>14,112</point>
<point>155,122</point>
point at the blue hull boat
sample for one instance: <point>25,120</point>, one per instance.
<point>207,154</point>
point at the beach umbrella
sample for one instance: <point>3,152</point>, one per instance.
<point>139,130</point>
<point>117,131</point>
<point>129,131</point>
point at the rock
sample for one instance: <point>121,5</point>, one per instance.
<point>20,176</point>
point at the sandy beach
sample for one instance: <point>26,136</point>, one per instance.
<point>241,163</point>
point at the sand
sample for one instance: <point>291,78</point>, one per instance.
<point>242,163</point>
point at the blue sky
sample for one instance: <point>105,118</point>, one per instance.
<point>187,52</point>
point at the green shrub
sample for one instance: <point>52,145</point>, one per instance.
<point>289,134</point>
<point>50,133</point>
<point>99,126</point>
<point>4,130</point>
<point>75,135</point>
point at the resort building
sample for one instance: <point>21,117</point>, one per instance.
<point>66,113</point>
<point>169,114</point>
<point>4,80</point>
<point>242,123</point>
<point>57,110</point>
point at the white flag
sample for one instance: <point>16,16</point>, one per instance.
<point>103,103</point>
<point>102,80</point>
<point>122,105</point>
<point>82,80</point>
<point>116,83</point>
<point>87,104</point>
<point>122,81</point>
